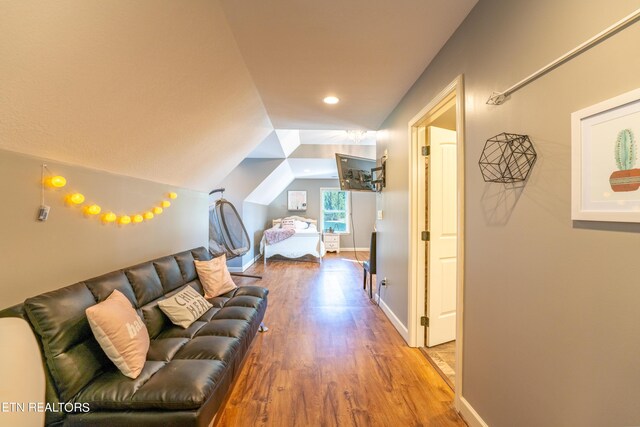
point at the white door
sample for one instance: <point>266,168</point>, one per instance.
<point>442,219</point>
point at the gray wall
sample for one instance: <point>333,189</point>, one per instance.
<point>363,206</point>
<point>255,216</point>
<point>238,185</point>
<point>551,306</point>
<point>42,256</point>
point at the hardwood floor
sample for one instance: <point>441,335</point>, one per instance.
<point>331,357</point>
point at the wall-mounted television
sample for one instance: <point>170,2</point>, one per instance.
<point>355,173</point>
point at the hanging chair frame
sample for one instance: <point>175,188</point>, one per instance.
<point>224,233</point>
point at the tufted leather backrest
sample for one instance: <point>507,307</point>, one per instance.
<point>73,356</point>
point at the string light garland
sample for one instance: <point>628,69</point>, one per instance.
<point>92,210</point>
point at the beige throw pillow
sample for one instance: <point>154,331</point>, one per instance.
<point>185,307</point>
<point>215,277</point>
<point>120,332</point>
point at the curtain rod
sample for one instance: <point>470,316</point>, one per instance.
<point>497,98</point>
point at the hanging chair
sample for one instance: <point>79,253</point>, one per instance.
<point>227,233</point>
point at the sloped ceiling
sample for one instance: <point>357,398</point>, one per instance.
<point>154,89</point>
<point>173,91</point>
<point>367,53</point>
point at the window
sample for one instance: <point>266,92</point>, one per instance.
<point>334,210</point>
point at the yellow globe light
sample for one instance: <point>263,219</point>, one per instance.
<point>148,215</point>
<point>172,195</point>
<point>124,220</point>
<point>165,203</point>
<point>109,217</point>
<point>92,210</point>
<point>157,210</point>
<point>137,219</point>
<point>56,181</point>
<point>76,198</point>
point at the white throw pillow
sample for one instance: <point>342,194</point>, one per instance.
<point>301,225</point>
<point>120,332</point>
<point>185,307</point>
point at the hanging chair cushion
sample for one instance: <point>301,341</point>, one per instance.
<point>215,277</point>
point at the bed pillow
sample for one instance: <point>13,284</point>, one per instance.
<point>215,277</point>
<point>120,332</point>
<point>301,225</point>
<point>288,223</point>
<point>185,307</point>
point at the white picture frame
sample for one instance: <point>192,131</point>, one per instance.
<point>297,200</point>
<point>605,140</point>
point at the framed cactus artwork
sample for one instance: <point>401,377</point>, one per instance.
<point>605,169</point>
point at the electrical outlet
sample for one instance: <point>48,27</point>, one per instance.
<point>384,282</point>
<point>43,213</point>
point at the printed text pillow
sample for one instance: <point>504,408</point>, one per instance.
<point>185,307</point>
<point>120,332</point>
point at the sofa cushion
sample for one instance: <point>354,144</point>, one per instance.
<point>242,313</point>
<point>120,332</point>
<point>145,282</point>
<point>178,332</point>
<point>225,327</point>
<point>254,291</point>
<point>187,268</point>
<point>155,320</point>
<point>169,273</point>
<point>72,354</point>
<point>179,384</point>
<point>201,254</point>
<point>209,347</point>
<point>163,350</point>
<point>101,287</point>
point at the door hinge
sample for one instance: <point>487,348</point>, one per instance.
<point>426,236</point>
<point>424,321</point>
<point>426,150</point>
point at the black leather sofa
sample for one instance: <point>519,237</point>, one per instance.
<point>188,372</point>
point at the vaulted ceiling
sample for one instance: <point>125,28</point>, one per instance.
<point>181,92</point>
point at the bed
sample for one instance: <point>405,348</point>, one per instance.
<point>307,240</point>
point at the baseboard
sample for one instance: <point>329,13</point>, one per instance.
<point>402,330</point>
<point>469,414</point>
<point>244,266</point>
<point>357,249</point>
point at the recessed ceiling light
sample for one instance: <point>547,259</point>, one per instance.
<point>331,100</point>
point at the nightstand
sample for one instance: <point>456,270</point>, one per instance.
<point>331,242</point>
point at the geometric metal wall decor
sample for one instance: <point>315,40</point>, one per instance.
<point>507,157</point>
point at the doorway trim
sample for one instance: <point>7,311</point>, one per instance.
<point>417,206</point>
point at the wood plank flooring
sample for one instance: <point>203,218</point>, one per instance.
<point>331,357</point>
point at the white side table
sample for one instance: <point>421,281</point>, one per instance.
<point>331,242</point>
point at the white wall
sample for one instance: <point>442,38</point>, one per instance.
<point>363,206</point>
<point>551,306</point>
